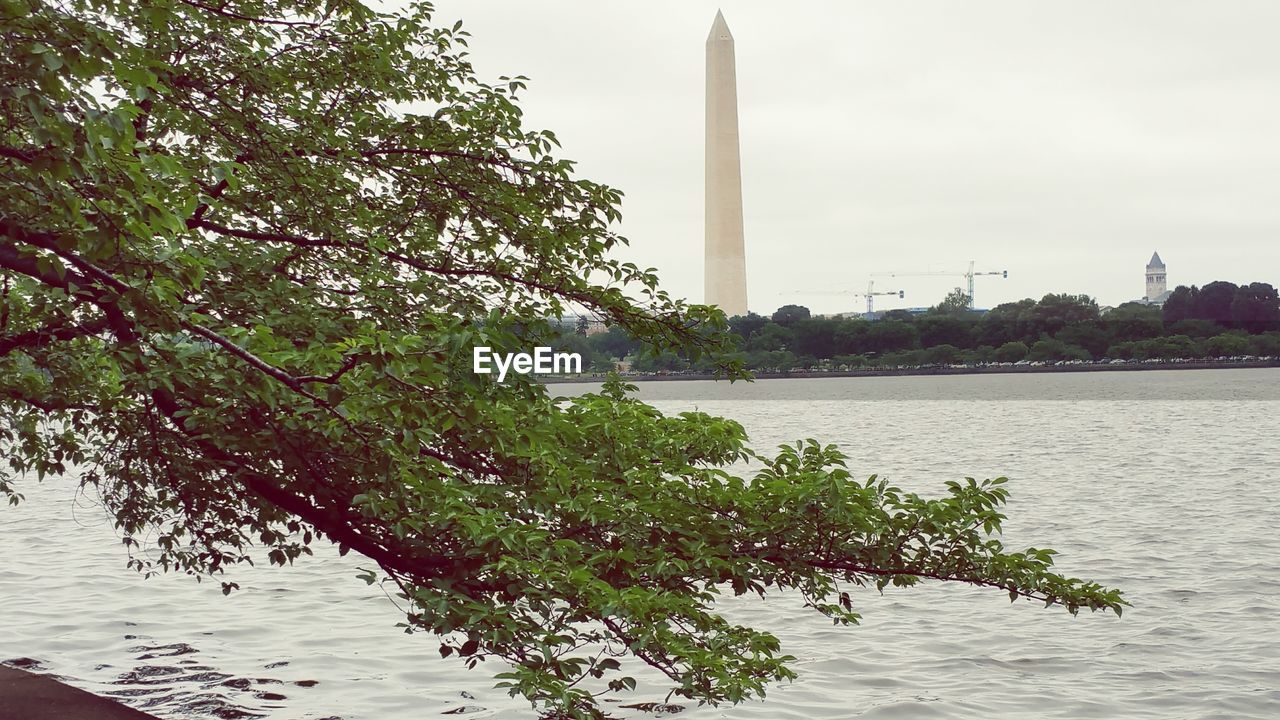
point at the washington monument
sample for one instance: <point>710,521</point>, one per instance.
<point>726,262</point>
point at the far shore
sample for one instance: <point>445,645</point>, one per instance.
<point>937,370</point>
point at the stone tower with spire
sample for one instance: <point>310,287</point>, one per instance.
<point>726,264</point>
<point>1156,279</point>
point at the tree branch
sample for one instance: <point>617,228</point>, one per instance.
<point>248,18</point>
<point>17,154</point>
<point>48,335</point>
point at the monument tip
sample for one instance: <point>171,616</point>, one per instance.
<point>720,28</point>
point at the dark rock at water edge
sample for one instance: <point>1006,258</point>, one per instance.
<point>28,696</point>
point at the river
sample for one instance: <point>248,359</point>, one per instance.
<point>1163,483</point>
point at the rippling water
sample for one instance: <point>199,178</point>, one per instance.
<point>1162,483</point>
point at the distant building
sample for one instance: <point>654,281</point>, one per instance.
<point>1157,292</point>
<point>575,323</point>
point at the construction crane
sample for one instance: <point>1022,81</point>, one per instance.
<point>870,294</point>
<point>966,275</point>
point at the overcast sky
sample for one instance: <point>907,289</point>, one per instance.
<point>1063,142</point>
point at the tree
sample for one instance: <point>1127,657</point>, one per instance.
<point>851,336</point>
<point>245,255</point>
<point>1087,335</point>
<point>942,354</point>
<point>1012,352</point>
<point>614,342</point>
<point>744,326</point>
<point>1172,347</point>
<point>1256,308</point>
<point>1075,352</point>
<point>1213,303</point>
<point>789,315</point>
<point>1047,351</point>
<point>1133,321</point>
<point>902,358</point>
<point>1180,305</point>
<point>771,360</point>
<point>843,362</point>
<point>1267,344</point>
<point>1194,327</point>
<point>940,329</point>
<point>1127,350</point>
<point>889,335</point>
<point>771,337</point>
<point>1228,344</point>
<point>1055,312</point>
<point>661,361</point>
<point>980,354</point>
<point>1007,322</point>
<point>816,337</point>
<point>955,303</point>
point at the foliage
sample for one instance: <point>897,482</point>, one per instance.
<point>1254,307</point>
<point>1063,326</point>
<point>1089,336</point>
<point>1266,344</point>
<point>1213,302</point>
<point>1013,351</point>
<point>574,341</point>
<point>942,355</point>
<point>848,362</point>
<point>979,355</point>
<point>615,342</point>
<point>815,337</point>
<point>1007,322</point>
<point>1193,327</point>
<point>659,362</point>
<point>957,302</point>
<point>245,255</point>
<point>1133,321</point>
<point>788,315</point>
<point>941,329</point>
<point>1180,305</point>
<point>772,337</point>
<point>744,326</point>
<point>1055,312</point>
<point>1228,344</point>
<point>885,336</point>
<point>1047,351</point>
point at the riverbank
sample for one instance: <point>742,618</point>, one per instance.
<point>991,369</point>
<point>28,696</point>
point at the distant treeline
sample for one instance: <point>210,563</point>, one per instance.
<point>1221,319</point>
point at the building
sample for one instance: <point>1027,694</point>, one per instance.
<point>581,324</point>
<point>1157,284</point>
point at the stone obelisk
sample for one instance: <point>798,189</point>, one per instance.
<point>726,262</point>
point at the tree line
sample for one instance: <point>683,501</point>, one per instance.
<point>1221,319</point>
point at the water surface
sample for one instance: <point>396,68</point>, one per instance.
<point>1162,483</point>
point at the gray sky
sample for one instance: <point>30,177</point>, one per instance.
<point>1063,142</point>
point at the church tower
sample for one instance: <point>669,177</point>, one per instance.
<point>1155,279</point>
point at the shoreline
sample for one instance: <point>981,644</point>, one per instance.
<point>944,370</point>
